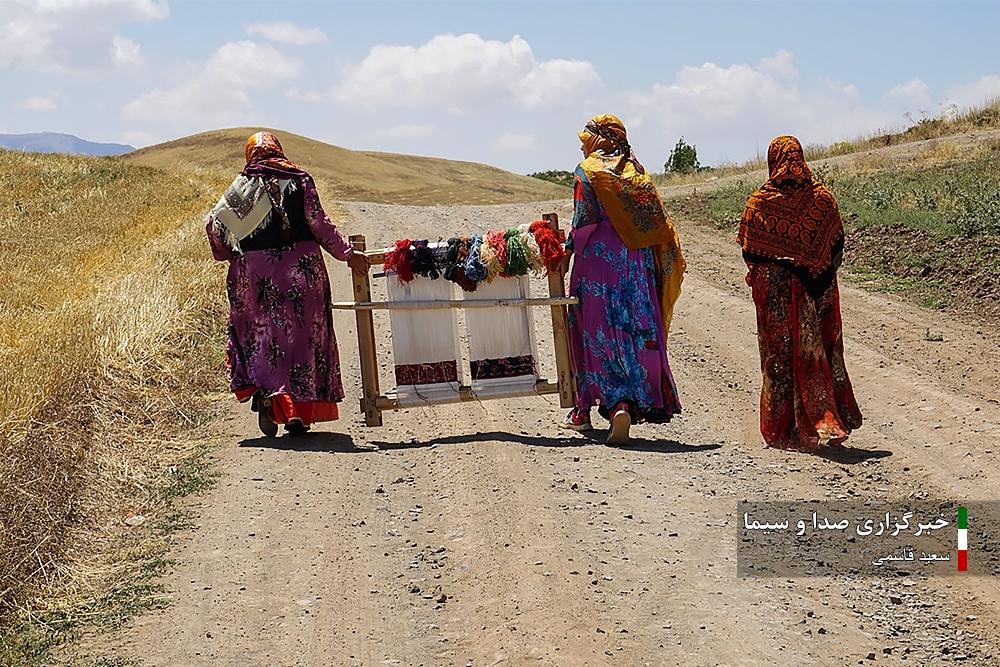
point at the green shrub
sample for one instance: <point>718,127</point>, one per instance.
<point>683,159</point>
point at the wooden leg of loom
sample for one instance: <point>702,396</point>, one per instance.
<point>366,343</point>
<point>560,332</point>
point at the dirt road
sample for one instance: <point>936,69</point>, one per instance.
<point>482,535</point>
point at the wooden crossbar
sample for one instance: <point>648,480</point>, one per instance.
<point>454,303</point>
<point>373,402</point>
<point>465,394</point>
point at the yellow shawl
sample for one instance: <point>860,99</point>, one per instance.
<point>631,201</point>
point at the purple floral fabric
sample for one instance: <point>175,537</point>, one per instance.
<point>280,334</point>
<point>616,331</point>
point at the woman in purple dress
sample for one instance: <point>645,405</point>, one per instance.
<point>627,275</point>
<point>282,350</point>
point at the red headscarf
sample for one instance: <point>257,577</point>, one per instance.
<point>792,216</point>
<point>266,158</point>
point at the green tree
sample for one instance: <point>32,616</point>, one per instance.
<point>683,159</point>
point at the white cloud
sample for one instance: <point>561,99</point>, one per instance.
<point>406,132</point>
<point>142,10</point>
<point>39,104</point>
<point>845,90</point>
<point>779,65</point>
<point>554,80</point>
<point>286,32</point>
<point>125,52</point>
<point>78,36</point>
<point>915,91</point>
<point>217,93</point>
<point>460,72</point>
<point>976,92</point>
<point>730,112</point>
<point>512,141</point>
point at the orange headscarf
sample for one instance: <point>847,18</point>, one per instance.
<point>264,154</point>
<point>792,216</point>
<point>632,203</point>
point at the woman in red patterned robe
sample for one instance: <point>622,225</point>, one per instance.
<point>793,240</point>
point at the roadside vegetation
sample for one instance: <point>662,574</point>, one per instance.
<point>110,348</point>
<point>928,228</point>
<point>564,178</point>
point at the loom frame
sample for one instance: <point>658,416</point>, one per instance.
<point>374,403</point>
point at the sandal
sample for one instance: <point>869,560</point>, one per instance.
<point>621,421</point>
<point>577,420</point>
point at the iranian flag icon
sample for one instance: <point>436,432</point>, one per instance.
<point>963,539</point>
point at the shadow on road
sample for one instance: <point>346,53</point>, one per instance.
<point>850,455</point>
<point>319,441</point>
<point>580,440</point>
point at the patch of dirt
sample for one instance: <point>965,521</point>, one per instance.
<point>960,274</point>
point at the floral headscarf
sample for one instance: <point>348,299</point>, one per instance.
<point>630,199</point>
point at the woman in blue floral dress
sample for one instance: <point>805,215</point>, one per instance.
<point>626,273</point>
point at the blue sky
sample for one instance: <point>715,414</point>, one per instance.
<point>504,83</point>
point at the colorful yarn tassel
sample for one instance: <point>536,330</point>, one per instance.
<point>549,245</point>
<point>518,260</point>
<point>458,253</point>
<point>529,242</point>
<point>399,260</point>
<point>424,262</point>
<point>493,254</point>
<point>474,268</point>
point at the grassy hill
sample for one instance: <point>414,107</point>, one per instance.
<point>360,176</point>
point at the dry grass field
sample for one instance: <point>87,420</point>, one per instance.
<point>344,174</point>
<point>107,306</point>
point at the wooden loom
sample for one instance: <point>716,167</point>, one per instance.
<point>374,403</point>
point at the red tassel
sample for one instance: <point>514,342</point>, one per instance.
<point>399,260</point>
<point>548,243</point>
<point>498,242</point>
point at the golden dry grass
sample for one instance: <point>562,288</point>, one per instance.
<point>110,296</point>
<point>359,176</point>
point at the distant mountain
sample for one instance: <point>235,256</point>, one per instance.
<point>54,142</point>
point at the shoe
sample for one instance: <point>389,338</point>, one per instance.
<point>621,421</point>
<point>267,425</point>
<point>577,420</point>
<point>296,427</point>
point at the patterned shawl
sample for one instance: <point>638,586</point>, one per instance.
<point>792,216</point>
<point>243,209</point>
<point>629,197</point>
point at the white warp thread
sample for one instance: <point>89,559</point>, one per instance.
<point>424,336</point>
<point>496,333</point>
